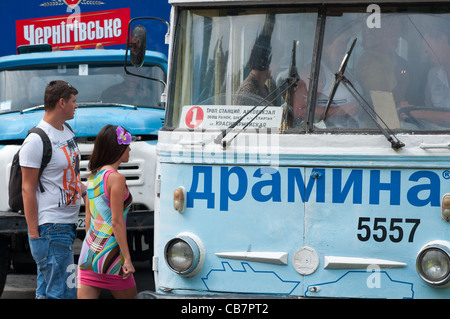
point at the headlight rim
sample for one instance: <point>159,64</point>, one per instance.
<point>170,244</point>
<point>196,246</point>
<point>442,246</point>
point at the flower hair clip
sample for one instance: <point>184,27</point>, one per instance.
<point>122,136</point>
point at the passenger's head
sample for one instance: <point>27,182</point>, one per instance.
<point>110,144</point>
<point>261,54</point>
<point>434,26</point>
<point>336,37</point>
<point>385,38</point>
<point>436,36</point>
<point>57,90</point>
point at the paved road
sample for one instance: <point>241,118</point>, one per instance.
<point>23,285</point>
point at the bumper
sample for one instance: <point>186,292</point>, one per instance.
<point>147,294</point>
<point>14,223</point>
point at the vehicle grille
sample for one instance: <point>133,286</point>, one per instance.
<point>133,170</point>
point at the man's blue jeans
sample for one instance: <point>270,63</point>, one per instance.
<point>53,254</point>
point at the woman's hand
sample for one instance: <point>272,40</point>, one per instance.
<point>127,268</point>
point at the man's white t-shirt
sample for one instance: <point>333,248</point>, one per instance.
<point>60,203</point>
<point>437,91</point>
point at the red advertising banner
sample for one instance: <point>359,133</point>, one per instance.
<point>80,29</point>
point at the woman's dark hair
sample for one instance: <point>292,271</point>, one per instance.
<point>106,148</point>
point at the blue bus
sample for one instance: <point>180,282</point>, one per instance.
<point>305,150</point>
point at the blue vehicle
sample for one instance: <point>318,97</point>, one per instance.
<point>305,151</point>
<point>107,95</point>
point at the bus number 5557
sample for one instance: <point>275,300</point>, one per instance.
<point>380,229</point>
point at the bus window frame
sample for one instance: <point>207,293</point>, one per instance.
<point>322,15</point>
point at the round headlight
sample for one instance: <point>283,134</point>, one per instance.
<point>179,255</point>
<point>185,254</point>
<point>433,263</point>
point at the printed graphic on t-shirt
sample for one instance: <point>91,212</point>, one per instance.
<point>71,190</point>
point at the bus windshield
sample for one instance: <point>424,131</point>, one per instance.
<point>97,84</point>
<point>228,60</point>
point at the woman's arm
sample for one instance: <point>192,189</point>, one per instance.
<point>116,185</point>
<point>87,217</point>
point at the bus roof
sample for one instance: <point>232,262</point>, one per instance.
<point>85,55</point>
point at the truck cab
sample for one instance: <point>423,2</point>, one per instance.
<point>107,95</point>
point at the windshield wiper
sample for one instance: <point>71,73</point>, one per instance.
<point>84,104</point>
<point>33,108</point>
<point>340,77</point>
<point>89,104</point>
<point>287,84</point>
<point>290,81</point>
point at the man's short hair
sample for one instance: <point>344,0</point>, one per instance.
<point>56,90</point>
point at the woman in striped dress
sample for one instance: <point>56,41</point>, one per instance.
<point>104,261</point>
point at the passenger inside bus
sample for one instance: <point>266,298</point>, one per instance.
<point>380,68</point>
<point>436,113</point>
<point>377,67</point>
<point>390,60</point>
<point>254,88</point>
<point>343,109</point>
<point>128,92</point>
<point>437,49</point>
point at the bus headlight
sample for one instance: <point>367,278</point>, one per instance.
<point>433,263</point>
<point>185,254</point>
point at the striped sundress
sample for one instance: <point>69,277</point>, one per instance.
<point>100,262</point>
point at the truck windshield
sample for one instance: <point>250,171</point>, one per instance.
<point>228,59</point>
<point>97,84</point>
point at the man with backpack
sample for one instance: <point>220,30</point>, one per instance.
<point>52,201</point>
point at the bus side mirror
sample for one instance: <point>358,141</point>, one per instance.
<point>138,42</point>
<point>137,46</point>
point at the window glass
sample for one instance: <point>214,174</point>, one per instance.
<point>96,84</point>
<point>228,60</point>
<point>234,58</point>
<point>397,67</point>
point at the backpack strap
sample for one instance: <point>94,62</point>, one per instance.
<point>68,126</point>
<point>46,154</point>
<point>47,149</point>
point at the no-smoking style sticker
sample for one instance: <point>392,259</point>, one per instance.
<point>194,117</point>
